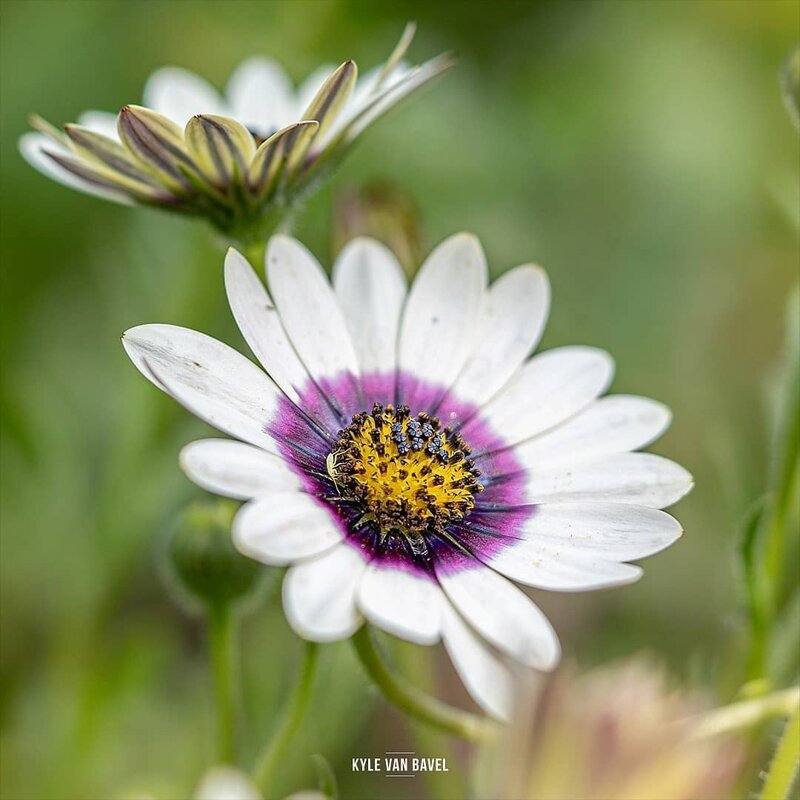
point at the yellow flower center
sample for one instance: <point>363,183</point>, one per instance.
<point>406,473</point>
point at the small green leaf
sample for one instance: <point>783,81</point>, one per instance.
<point>784,768</point>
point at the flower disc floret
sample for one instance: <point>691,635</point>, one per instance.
<point>409,475</point>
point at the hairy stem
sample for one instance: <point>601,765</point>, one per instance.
<point>784,768</point>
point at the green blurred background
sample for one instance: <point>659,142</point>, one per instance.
<point>638,150</point>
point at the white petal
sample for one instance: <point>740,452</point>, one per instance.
<point>227,783</point>
<point>440,321</point>
<point>502,614</point>
<point>613,424</point>
<point>545,566</point>
<point>284,527</point>
<point>209,378</point>
<point>261,325</point>
<point>390,95</point>
<point>234,469</point>
<point>371,288</point>
<point>401,602</point>
<point>605,530</point>
<point>179,94</point>
<point>260,95</point>
<point>643,479</point>
<point>103,122</point>
<point>34,146</point>
<point>549,389</point>
<point>319,595</point>
<point>309,310</point>
<point>485,677</point>
<point>514,318</point>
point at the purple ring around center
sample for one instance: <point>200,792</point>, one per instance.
<point>307,430</point>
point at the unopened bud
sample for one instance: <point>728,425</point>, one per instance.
<point>203,559</point>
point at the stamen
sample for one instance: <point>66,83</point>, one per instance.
<point>404,474</point>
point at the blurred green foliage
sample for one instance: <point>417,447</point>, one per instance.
<point>638,150</point>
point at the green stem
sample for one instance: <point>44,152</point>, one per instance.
<point>784,768</point>
<point>414,702</point>
<point>746,714</point>
<point>221,644</point>
<point>292,718</point>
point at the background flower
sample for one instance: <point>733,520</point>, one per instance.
<point>619,732</point>
<point>241,160</point>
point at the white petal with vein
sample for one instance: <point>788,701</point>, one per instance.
<point>214,381</point>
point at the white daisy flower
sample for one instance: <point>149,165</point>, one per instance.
<point>405,456</point>
<point>231,157</point>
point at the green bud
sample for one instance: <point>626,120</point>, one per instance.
<point>203,559</point>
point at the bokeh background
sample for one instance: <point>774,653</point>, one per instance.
<point>639,150</point>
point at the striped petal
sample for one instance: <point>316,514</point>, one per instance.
<point>319,595</point>
<point>235,469</point>
<point>283,527</point>
<point>212,380</point>
<point>549,389</point>
<point>38,150</point>
<point>438,329</point>
<point>485,677</point>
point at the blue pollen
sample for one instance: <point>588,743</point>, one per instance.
<point>427,430</point>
